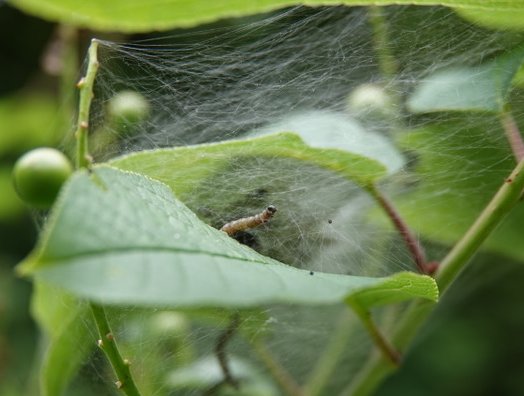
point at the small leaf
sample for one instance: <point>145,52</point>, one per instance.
<point>181,168</point>
<point>65,322</point>
<point>483,87</point>
<point>121,238</point>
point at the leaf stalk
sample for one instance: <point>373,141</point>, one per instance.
<point>413,245</point>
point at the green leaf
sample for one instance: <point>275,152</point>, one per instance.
<point>121,238</point>
<point>65,322</point>
<point>483,87</point>
<point>459,170</point>
<point>181,168</point>
<point>503,18</point>
<point>141,16</point>
<point>340,131</point>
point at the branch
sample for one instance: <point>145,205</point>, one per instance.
<point>107,343</point>
<point>220,350</point>
<point>512,134</point>
<point>386,61</point>
<point>416,250</point>
<point>85,85</point>
<point>505,199</point>
<point>387,349</point>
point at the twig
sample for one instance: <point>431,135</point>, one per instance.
<point>220,350</point>
<point>85,85</point>
<point>512,133</point>
<point>107,343</point>
<point>387,349</point>
<point>504,200</point>
<point>416,250</point>
<point>387,62</point>
<point>493,214</point>
<point>279,373</point>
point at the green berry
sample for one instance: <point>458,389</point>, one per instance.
<point>126,109</point>
<point>370,99</point>
<point>39,174</point>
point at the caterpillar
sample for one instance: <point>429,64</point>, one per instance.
<point>249,222</point>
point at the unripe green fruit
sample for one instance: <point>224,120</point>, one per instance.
<point>371,99</point>
<point>126,109</point>
<point>39,174</point>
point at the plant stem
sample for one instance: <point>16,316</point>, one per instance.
<point>416,250</point>
<point>512,134</point>
<point>387,62</point>
<point>68,53</point>
<point>388,351</point>
<point>504,200</point>
<point>85,85</point>
<point>107,343</point>
<point>327,363</point>
<point>277,371</point>
<point>220,350</point>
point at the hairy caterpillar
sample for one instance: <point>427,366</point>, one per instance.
<point>249,222</point>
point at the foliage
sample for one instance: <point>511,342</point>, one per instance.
<point>123,237</point>
<point>138,16</point>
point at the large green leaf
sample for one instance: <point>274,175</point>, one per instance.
<point>503,18</point>
<point>121,238</point>
<point>65,322</point>
<point>483,87</point>
<point>139,15</point>
<point>181,168</point>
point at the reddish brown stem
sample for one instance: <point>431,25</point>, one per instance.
<point>512,134</point>
<point>416,250</point>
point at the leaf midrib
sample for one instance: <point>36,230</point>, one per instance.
<point>155,249</point>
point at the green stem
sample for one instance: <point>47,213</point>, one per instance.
<point>107,343</point>
<point>69,37</point>
<point>85,85</point>
<point>279,373</point>
<point>504,200</point>
<point>387,62</point>
<point>327,363</point>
